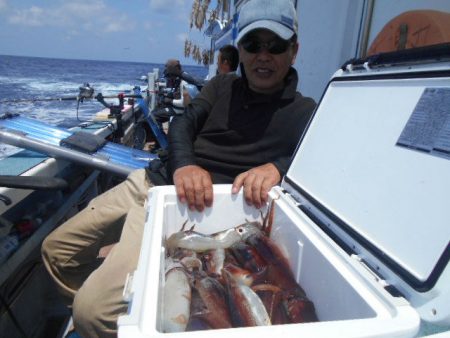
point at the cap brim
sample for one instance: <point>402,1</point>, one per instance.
<point>282,31</point>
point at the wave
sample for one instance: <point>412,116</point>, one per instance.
<point>37,78</point>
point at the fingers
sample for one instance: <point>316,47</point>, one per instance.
<point>265,188</point>
<point>254,190</point>
<point>208,188</point>
<point>194,187</point>
<point>238,182</point>
<point>253,187</point>
<point>201,195</point>
<point>256,184</point>
<point>179,187</point>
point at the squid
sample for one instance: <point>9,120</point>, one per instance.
<point>271,296</point>
<point>241,275</point>
<point>192,240</point>
<point>214,261</point>
<point>177,298</point>
<point>197,321</point>
<point>246,307</point>
<point>194,12</point>
<point>248,257</point>
<point>298,307</point>
<point>198,242</point>
<point>213,296</point>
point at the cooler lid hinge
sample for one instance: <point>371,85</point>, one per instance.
<point>378,277</point>
<point>394,291</point>
<point>325,226</point>
<point>375,275</point>
<point>292,198</point>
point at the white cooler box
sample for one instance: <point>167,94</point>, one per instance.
<point>362,214</point>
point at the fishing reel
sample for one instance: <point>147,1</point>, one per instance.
<point>86,92</point>
<point>164,95</point>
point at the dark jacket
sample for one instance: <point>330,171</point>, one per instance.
<point>228,128</point>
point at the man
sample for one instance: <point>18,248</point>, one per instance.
<point>239,130</point>
<point>250,145</point>
<point>227,60</point>
<point>174,101</point>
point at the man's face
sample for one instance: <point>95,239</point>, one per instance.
<point>266,71</point>
<point>222,65</point>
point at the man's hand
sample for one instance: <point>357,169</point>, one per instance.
<point>257,182</point>
<point>168,101</point>
<point>194,187</point>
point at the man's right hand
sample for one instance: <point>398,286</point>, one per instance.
<point>168,101</point>
<point>194,187</point>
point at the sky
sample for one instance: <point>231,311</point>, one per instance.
<point>118,30</point>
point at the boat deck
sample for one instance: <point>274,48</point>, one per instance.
<point>30,305</point>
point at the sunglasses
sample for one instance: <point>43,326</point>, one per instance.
<point>276,46</point>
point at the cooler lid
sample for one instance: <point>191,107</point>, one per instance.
<point>374,164</point>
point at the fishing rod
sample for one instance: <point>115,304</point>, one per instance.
<point>86,92</point>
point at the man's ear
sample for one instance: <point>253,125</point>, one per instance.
<point>295,49</point>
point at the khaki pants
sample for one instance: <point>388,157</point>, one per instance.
<point>70,254</point>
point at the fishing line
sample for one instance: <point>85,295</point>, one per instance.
<point>86,92</point>
<point>38,99</point>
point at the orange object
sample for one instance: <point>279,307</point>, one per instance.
<point>412,29</point>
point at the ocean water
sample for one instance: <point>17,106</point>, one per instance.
<point>33,78</point>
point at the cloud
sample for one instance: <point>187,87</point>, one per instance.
<point>166,7</point>
<point>77,14</point>
<point>3,5</point>
<point>147,26</point>
<point>33,16</point>
<point>118,24</point>
<point>71,34</point>
<point>182,37</point>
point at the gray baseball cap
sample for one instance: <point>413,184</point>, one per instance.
<point>278,16</point>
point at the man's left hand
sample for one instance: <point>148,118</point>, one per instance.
<point>257,182</point>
